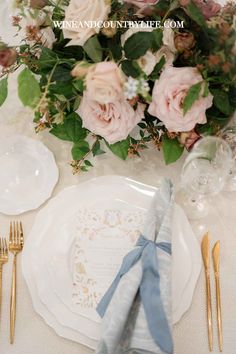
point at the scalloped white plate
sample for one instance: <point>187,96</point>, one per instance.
<point>48,271</point>
<point>28,174</point>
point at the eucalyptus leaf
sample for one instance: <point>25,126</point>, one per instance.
<point>121,148</point>
<point>192,96</point>
<point>80,149</point>
<point>93,49</point>
<point>28,89</point>
<point>138,44</point>
<point>3,90</point>
<point>172,149</point>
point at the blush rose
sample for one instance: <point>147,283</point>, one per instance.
<point>113,121</point>
<point>168,96</point>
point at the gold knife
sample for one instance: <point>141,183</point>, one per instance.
<point>216,264</point>
<point>205,246</point>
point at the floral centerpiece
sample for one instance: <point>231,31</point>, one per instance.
<point>124,74</point>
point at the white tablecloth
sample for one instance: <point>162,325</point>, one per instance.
<point>32,335</point>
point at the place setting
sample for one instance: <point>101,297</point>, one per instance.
<point>128,247</point>
<point>110,250</point>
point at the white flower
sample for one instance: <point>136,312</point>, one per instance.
<point>131,88</point>
<point>134,87</point>
<point>147,62</point>
<point>47,37</point>
<point>132,31</point>
<point>168,55</point>
<point>82,11</point>
<point>168,39</point>
<point>36,20</point>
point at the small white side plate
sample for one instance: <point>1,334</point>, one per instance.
<point>28,174</point>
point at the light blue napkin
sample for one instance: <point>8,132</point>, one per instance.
<point>136,309</point>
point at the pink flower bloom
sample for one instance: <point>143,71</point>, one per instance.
<point>113,121</point>
<point>141,3</point>
<point>104,82</point>
<point>168,96</point>
<point>209,8</point>
<point>188,139</point>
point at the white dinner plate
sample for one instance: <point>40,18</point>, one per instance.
<point>28,174</point>
<point>52,231</point>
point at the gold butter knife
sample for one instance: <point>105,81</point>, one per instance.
<point>205,246</point>
<point>216,264</point>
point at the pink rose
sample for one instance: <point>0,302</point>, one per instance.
<point>209,8</point>
<point>113,121</point>
<point>8,56</point>
<point>141,3</point>
<point>104,82</point>
<point>168,96</point>
<point>144,6</point>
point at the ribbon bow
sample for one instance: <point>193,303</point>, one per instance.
<point>149,290</point>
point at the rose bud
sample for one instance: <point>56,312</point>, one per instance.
<point>81,69</point>
<point>37,4</point>
<point>108,30</point>
<point>7,56</point>
<point>184,41</point>
<point>188,139</point>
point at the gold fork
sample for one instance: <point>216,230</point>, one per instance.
<point>16,242</point>
<point>3,260</point>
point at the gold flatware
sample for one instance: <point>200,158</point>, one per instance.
<point>216,265</point>
<point>205,246</point>
<point>16,242</point>
<point>3,260</point>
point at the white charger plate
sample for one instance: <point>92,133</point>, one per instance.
<point>61,209</point>
<point>28,174</point>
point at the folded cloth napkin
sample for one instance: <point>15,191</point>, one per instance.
<point>136,309</point>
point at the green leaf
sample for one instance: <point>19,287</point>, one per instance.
<point>79,85</point>
<point>130,69</point>
<point>137,45</point>
<point>157,39</point>
<point>196,14</point>
<point>172,149</point>
<point>70,130</point>
<point>3,90</point>
<point>96,150</point>
<point>28,88</point>
<point>80,149</point>
<point>93,49</point>
<point>206,90</point>
<point>157,68</point>
<point>192,96</point>
<point>221,101</point>
<point>88,163</point>
<point>120,148</point>
<point>47,59</point>
<point>62,73</point>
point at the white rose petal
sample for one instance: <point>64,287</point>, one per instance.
<point>82,11</point>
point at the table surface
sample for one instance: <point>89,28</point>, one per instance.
<point>33,336</point>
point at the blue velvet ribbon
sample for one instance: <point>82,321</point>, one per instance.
<point>149,290</point>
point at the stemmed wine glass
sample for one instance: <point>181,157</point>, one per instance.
<point>204,173</point>
<point>229,135</point>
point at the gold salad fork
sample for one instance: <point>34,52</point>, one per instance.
<point>3,260</point>
<point>16,242</point>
